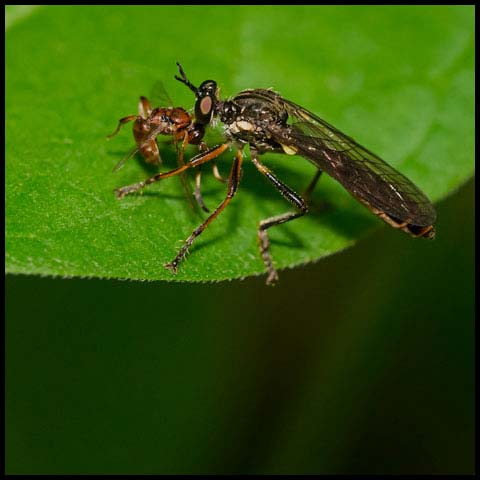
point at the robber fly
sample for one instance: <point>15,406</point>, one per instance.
<point>171,121</point>
<point>268,122</point>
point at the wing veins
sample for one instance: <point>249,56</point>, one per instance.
<point>363,173</point>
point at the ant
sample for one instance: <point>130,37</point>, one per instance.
<point>170,121</point>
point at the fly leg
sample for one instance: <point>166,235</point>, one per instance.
<point>233,181</point>
<point>295,199</point>
<point>308,191</point>
<point>194,162</point>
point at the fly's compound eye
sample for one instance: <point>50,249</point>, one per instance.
<point>205,105</point>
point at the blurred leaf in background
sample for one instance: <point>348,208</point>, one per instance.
<point>359,363</point>
<point>398,79</point>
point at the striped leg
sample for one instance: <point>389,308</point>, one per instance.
<point>264,225</point>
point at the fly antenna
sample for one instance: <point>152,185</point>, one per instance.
<point>185,80</point>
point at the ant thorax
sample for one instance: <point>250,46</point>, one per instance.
<point>167,120</point>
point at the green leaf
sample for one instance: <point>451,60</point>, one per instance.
<point>400,80</point>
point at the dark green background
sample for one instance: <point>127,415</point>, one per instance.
<point>362,362</point>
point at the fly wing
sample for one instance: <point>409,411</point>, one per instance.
<point>360,171</point>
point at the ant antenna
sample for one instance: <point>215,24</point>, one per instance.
<point>185,80</point>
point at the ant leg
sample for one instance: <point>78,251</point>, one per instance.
<point>202,147</point>
<point>198,176</point>
<point>122,122</point>
<point>194,162</point>
<point>264,225</point>
<point>182,149</point>
<point>233,181</point>
<point>308,191</point>
<point>216,173</point>
<point>197,193</point>
<point>183,176</point>
<point>144,108</point>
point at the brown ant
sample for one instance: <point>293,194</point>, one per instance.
<point>172,121</point>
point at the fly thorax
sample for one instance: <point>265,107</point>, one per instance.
<point>228,112</point>
<point>240,125</point>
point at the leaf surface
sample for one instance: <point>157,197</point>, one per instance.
<point>400,80</point>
